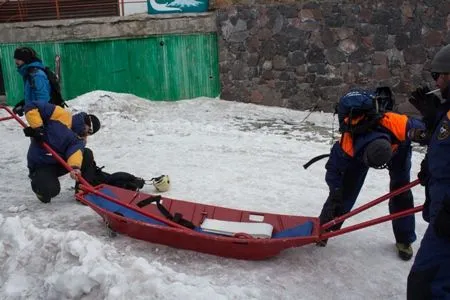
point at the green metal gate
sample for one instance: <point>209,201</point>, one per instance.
<point>167,67</point>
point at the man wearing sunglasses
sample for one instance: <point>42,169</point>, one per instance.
<point>429,277</point>
<point>64,133</point>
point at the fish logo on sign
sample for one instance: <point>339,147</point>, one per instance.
<point>177,6</point>
<point>444,131</point>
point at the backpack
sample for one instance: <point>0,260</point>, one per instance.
<point>359,110</point>
<point>120,179</point>
<point>55,95</point>
<point>124,180</point>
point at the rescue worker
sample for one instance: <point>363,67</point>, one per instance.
<point>377,140</point>
<point>429,277</point>
<point>37,86</point>
<point>67,135</point>
<point>64,133</point>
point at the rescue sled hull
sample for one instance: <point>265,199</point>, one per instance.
<point>248,248</point>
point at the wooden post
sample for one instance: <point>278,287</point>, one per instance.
<point>57,9</point>
<point>20,10</point>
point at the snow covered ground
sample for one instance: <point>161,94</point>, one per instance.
<point>218,152</point>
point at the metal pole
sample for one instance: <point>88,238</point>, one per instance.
<point>379,220</point>
<point>369,205</point>
<point>122,2</point>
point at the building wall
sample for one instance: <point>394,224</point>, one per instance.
<point>168,58</point>
<point>304,54</point>
<point>294,54</point>
<point>131,7</point>
<point>36,10</point>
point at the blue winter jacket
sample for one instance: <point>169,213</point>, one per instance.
<point>439,163</point>
<point>36,84</point>
<point>57,124</point>
<point>393,127</point>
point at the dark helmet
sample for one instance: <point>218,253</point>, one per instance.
<point>377,153</point>
<point>441,61</point>
<point>81,119</point>
<point>93,122</point>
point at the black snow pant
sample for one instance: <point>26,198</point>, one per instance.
<point>45,183</point>
<point>45,180</point>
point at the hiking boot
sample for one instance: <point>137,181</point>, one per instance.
<point>43,199</point>
<point>77,188</point>
<point>82,203</point>
<point>404,251</point>
<point>322,243</point>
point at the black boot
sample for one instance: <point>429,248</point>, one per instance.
<point>405,251</point>
<point>43,199</point>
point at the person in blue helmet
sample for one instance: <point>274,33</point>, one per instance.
<point>374,138</point>
<point>66,134</point>
<point>37,86</point>
<point>429,277</point>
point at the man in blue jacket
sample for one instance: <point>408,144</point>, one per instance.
<point>429,277</point>
<point>64,133</point>
<point>37,87</point>
<point>385,144</point>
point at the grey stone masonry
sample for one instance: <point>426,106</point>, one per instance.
<point>302,54</point>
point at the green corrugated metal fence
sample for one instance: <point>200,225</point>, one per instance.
<point>170,67</point>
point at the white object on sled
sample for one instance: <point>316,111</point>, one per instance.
<point>230,228</point>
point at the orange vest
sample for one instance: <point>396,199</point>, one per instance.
<point>395,124</point>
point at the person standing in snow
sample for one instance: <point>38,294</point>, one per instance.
<point>429,277</point>
<point>37,86</point>
<point>64,133</point>
<point>377,140</point>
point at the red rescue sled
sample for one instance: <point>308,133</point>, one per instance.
<point>136,215</point>
<point>125,216</point>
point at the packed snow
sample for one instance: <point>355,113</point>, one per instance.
<point>216,152</point>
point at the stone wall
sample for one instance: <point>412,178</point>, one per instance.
<point>301,55</point>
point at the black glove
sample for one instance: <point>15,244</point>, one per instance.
<point>333,206</point>
<point>421,136</point>
<point>425,104</point>
<point>36,133</point>
<point>18,108</point>
<point>442,221</point>
<point>424,173</point>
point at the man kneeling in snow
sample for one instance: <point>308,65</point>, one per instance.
<point>64,133</point>
<point>67,135</point>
